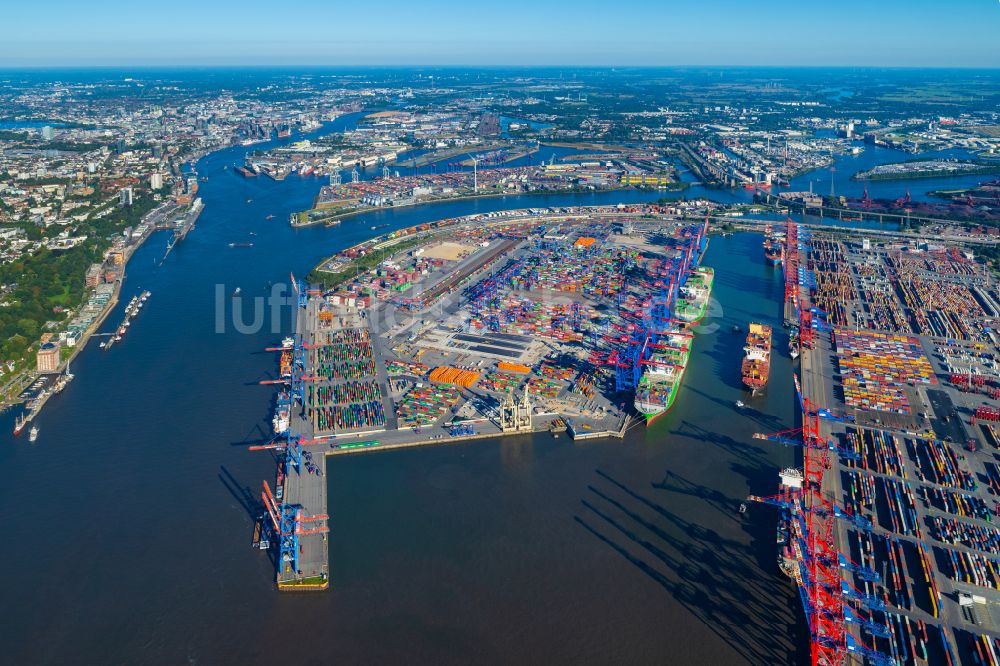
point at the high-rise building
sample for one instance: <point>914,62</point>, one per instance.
<point>127,196</point>
<point>47,359</point>
<point>155,181</point>
<point>47,133</point>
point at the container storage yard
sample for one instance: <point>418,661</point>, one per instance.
<point>889,527</point>
<point>539,322</point>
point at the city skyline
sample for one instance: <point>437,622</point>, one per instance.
<point>227,33</point>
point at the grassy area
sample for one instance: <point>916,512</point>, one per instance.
<point>311,581</point>
<point>327,280</point>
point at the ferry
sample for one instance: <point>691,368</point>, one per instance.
<point>695,294</point>
<point>756,365</point>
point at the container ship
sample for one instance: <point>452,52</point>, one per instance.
<point>282,413</point>
<point>695,293</point>
<point>793,343</point>
<point>772,252</point>
<point>772,246</point>
<point>661,380</point>
<point>665,355</point>
<point>757,358</point>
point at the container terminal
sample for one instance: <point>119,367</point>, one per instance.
<point>888,527</point>
<point>538,321</point>
<point>548,320</point>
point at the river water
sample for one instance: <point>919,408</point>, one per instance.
<point>128,524</point>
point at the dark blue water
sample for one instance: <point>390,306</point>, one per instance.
<point>129,512</point>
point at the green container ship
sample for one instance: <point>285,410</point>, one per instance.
<point>664,369</point>
<point>695,294</point>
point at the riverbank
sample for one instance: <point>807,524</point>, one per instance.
<point>339,217</point>
<point>99,320</point>
<point>937,169</point>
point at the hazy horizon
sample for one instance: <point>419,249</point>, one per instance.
<point>677,33</point>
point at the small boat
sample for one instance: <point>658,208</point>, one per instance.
<point>269,217</point>
<point>736,329</point>
<point>249,200</point>
<point>236,292</point>
<point>33,434</point>
<point>103,344</point>
<point>740,404</point>
<point>743,507</point>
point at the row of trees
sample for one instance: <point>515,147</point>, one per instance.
<point>48,279</point>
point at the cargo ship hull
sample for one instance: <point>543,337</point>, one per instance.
<point>756,366</point>
<point>654,399</point>
<point>693,306</point>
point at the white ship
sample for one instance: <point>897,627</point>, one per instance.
<point>282,413</point>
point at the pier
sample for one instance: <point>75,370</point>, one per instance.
<point>507,327</point>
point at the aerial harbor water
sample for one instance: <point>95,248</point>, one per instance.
<point>448,553</point>
<point>528,548</point>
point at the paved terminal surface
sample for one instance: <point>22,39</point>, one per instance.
<point>305,488</point>
<point>922,467</point>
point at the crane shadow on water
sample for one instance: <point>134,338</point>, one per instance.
<point>247,500</point>
<point>716,578</point>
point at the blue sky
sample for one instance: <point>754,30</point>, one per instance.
<point>963,33</point>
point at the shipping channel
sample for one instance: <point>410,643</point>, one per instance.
<point>522,549</point>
